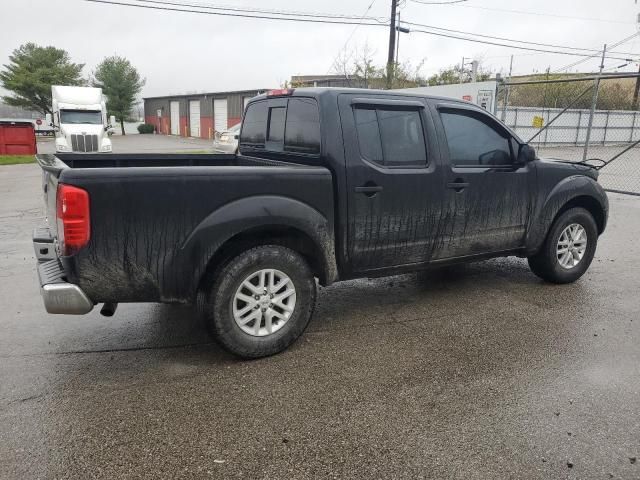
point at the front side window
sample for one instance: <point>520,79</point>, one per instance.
<point>92,117</point>
<point>390,136</point>
<point>473,142</point>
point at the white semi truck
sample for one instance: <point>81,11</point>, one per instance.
<point>80,119</point>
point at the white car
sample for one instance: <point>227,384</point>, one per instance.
<point>227,141</point>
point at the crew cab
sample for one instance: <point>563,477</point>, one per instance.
<point>328,185</point>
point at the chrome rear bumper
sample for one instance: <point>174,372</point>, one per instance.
<point>59,296</point>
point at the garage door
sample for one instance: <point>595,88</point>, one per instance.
<point>220,114</point>
<point>194,118</point>
<point>175,118</point>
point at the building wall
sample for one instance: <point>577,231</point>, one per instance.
<point>235,108</point>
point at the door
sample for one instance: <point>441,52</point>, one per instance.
<point>394,181</point>
<point>220,114</point>
<point>488,190</point>
<point>194,118</point>
<point>175,118</point>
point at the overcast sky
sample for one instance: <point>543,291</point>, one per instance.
<point>184,52</point>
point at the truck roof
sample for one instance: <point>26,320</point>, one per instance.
<point>335,91</point>
<point>76,95</point>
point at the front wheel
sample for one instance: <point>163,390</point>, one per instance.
<point>259,302</point>
<point>568,249</point>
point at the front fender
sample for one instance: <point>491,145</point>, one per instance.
<point>569,190</point>
<point>239,216</point>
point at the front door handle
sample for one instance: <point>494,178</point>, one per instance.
<point>458,185</point>
<point>369,190</point>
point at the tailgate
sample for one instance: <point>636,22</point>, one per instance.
<point>51,168</point>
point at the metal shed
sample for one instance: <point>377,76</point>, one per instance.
<point>197,115</point>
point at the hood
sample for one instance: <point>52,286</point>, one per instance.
<point>570,167</point>
<point>82,129</point>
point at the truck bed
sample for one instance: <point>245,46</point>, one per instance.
<point>156,218</point>
<point>59,161</point>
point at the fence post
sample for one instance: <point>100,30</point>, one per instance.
<point>579,124</point>
<point>633,126</point>
<point>606,125</point>
<point>594,101</point>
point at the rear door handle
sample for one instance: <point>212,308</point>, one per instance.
<point>458,185</point>
<point>369,190</point>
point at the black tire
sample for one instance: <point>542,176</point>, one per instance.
<point>545,263</point>
<point>215,300</point>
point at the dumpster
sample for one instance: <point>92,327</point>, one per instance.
<point>17,138</point>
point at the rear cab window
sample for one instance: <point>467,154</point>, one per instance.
<point>286,125</point>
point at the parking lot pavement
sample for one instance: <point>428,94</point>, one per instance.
<point>143,144</point>
<point>472,372</point>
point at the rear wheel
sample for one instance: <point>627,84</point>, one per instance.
<point>259,302</point>
<point>568,249</point>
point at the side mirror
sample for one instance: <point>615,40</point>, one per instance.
<point>48,119</point>
<point>527,154</point>
<point>112,120</point>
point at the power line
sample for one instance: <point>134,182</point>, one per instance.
<point>518,47</point>
<point>526,12</point>
<point>566,47</point>
<point>256,14</point>
<point>209,6</point>
<point>239,15</point>
<point>589,57</point>
<point>351,35</point>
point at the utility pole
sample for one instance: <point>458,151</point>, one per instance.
<point>397,40</point>
<point>474,71</point>
<point>594,101</point>
<point>634,104</point>
<point>392,44</point>
<point>507,91</point>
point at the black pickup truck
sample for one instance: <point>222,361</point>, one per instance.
<point>328,184</point>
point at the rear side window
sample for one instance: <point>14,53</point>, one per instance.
<point>254,125</point>
<point>473,141</point>
<point>303,126</point>
<point>393,137</point>
<point>368,134</point>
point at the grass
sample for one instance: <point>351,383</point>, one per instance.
<point>15,159</point>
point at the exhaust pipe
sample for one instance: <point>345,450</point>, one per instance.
<point>108,309</point>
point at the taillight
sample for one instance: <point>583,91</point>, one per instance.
<point>74,223</point>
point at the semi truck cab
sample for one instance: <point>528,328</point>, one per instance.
<point>80,120</point>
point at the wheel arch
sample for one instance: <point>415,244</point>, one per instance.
<point>576,191</point>
<point>250,222</point>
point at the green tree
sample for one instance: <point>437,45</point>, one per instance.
<point>121,83</point>
<point>31,72</point>
<point>455,74</point>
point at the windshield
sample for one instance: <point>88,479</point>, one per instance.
<point>92,117</point>
<point>235,128</point>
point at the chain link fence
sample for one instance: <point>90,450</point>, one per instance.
<point>580,119</point>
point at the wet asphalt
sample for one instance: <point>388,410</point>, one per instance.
<point>473,372</point>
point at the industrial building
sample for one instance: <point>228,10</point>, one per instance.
<point>198,114</point>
